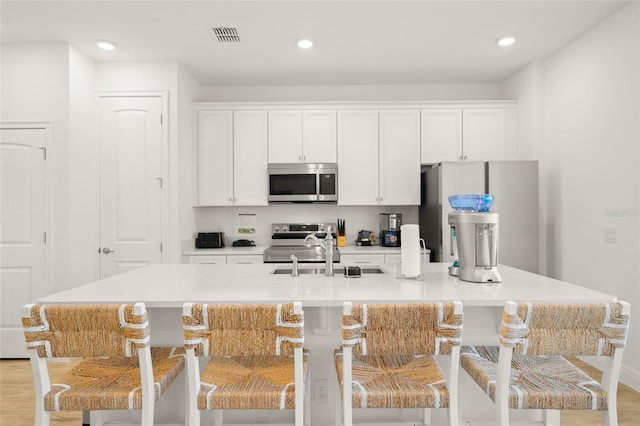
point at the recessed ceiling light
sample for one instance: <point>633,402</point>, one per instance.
<point>305,43</point>
<point>105,45</point>
<point>505,41</point>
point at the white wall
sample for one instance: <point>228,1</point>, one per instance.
<point>84,167</point>
<point>35,87</point>
<point>186,164</point>
<point>589,151</point>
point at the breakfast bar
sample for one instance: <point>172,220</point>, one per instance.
<point>165,288</point>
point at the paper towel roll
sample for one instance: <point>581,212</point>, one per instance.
<point>410,250</point>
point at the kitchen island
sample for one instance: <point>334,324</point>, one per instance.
<point>164,289</point>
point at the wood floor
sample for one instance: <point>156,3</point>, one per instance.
<point>16,399</point>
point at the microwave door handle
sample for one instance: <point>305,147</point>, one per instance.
<point>318,185</point>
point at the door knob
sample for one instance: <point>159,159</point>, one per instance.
<point>107,250</point>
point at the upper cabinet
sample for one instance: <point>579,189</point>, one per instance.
<point>399,150</point>
<point>297,136</point>
<point>378,148</point>
<point>379,157</point>
<point>468,134</point>
<point>232,158</point>
<point>358,158</point>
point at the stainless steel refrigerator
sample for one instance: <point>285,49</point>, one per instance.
<point>514,185</point>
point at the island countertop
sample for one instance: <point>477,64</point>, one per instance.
<point>170,285</point>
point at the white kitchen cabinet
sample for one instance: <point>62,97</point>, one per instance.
<point>285,136</point>
<point>393,258</point>
<point>244,259</point>
<point>362,259</point>
<point>250,180</point>
<point>399,156</point>
<point>467,134</point>
<point>483,134</point>
<point>215,158</point>
<point>319,136</point>
<point>232,158</point>
<point>358,158</point>
<point>441,135</point>
<point>379,157</point>
<point>307,136</point>
<point>208,259</point>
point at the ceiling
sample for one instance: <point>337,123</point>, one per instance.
<point>356,42</point>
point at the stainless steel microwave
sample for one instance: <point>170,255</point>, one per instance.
<point>303,182</point>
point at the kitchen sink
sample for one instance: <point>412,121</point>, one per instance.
<point>320,271</point>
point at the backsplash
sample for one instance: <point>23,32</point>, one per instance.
<point>225,219</point>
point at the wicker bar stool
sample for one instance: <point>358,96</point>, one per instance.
<point>256,358</point>
<point>528,370</point>
<point>120,371</point>
<point>388,357</point>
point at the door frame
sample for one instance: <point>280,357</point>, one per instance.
<point>47,126</point>
<point>164,167</point>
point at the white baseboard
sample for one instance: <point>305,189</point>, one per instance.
<point>628,376</point>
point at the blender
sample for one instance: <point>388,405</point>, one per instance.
<point>390,224</point>
<point>474,238</point>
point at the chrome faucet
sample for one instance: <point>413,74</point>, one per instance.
<point>294,270</point>
<point>327,246</point>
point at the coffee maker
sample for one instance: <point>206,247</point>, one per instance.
<point>390,229</point>
<point>474,234</point>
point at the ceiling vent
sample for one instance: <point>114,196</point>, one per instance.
<point>226,34</point>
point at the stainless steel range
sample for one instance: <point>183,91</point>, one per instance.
<point>289,238</point>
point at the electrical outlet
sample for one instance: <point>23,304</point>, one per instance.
<point>321,391</point>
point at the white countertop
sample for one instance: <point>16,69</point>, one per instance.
<point>170,285</point>
<point>190,250</point>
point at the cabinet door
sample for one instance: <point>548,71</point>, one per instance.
<point>362,259</point>
<point>358,158</point>
<point>285,136</point>
<point>244,259</point>
<point>399,157</point>
<point>215,158</point>
<point>208,259</point>
<point>441,135</point>
<point>483,134</point>
<point>250,158</point>
<point>319,136</point>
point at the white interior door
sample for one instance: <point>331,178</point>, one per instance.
<point>130,183</point>
<point>22,231</point>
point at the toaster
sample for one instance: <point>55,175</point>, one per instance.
<point>208,240</point>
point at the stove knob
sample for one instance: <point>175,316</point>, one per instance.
<point>276,228</point>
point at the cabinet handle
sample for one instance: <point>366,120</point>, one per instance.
<point>465,157</point>
<point>381,199</point>
<point>304,158</point>
<point>230,199</point>
<point>460,158</point>
<point>299,157</point>
<point>235,199</point>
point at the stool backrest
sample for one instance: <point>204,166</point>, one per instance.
<point>86,330</point>
<point>565,328</point>
<point>240,330</point>
<point>409,329</point>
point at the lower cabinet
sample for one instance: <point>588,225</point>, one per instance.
<point>361,259</point>
<point>242,259</point>
<point>393,258</point>
<point>212,259</point>
<point>231,259</point>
